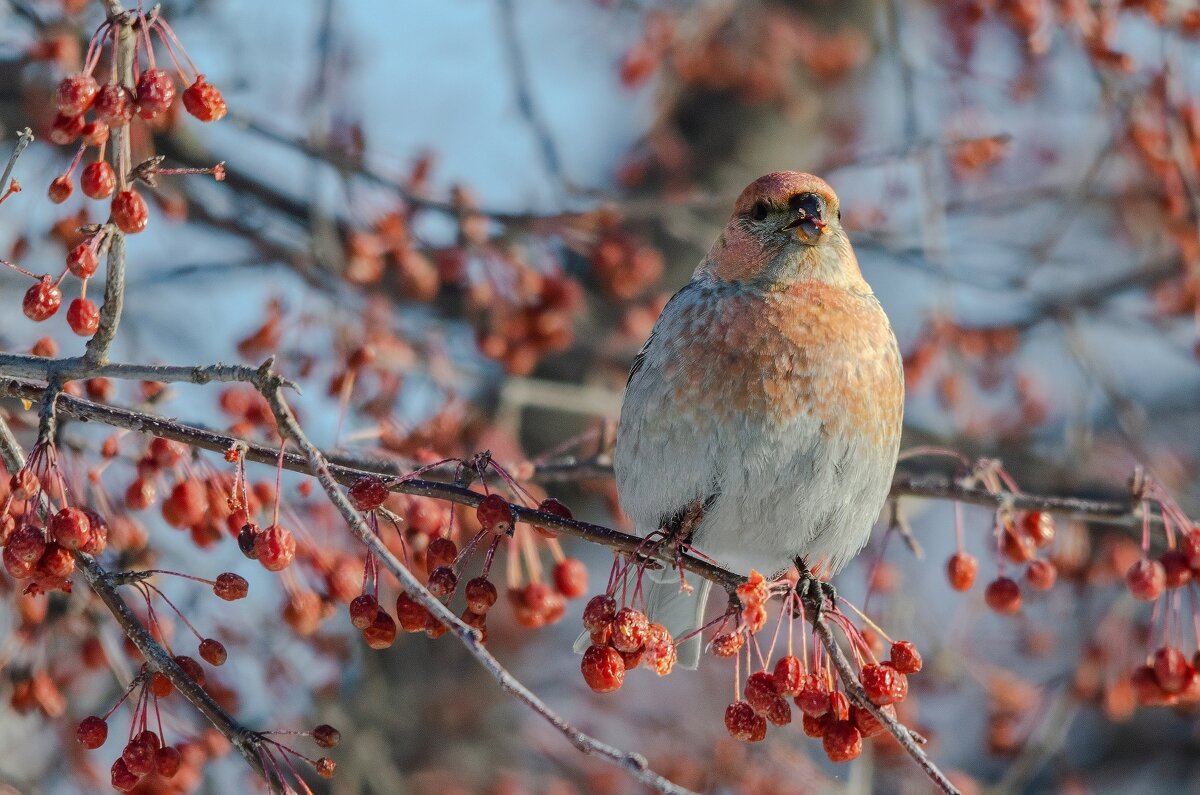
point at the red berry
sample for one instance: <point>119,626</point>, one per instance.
<point>92,732</point>
<point>212,651</point>
<point>495,515</point>
<point>1146,579</point>
<point>571,578</point>
<point>1017,547</point>
<point>97,538</point>
<point>326,736</point>
<point>760,691</point>
<point>275,547</point>
<point>129,211</point>
<point>187,504</point>
<point>27,543</point>
<point>204,101</point>
<point>813,698</point>
<point>866,723</point>
<point>231,587</point>
<point>1041,575</point>
<point>83,316</point>
<point>56,562</point>
<point>139,757</point>
<point>412,615</point>
<point>18,568</point>
<point>842,741</point>
<point>41,300</point>
<point>778,712</point>
<point>382,632</point>
<point>879,682</point>
<point>362,611</point>
<point>481,595</point>
<point>65,129</point>
<point>1003,595</point>
<point>1171,670</point>
<point>815,726</point>
<point>599,613</point>
<point>82,260</point>
<point>60,189</point>
<point>114,105</point>
<point>960,570</point>
<point>367,493</point>
<point>70,528</point>
<point>659,653</point>
<point>1176,570</point>
<point>789,676</point>
<point>98,180</point>
<point>122,777</point>
<point>442,582</point>
<point>554,508</point>
<point>629,630</point>
<point>325,767</point>
<point>905,658</point>
<point>191,668</point>
<point>440,552</point>
<point>603,669</point>
<point>94,133</point>
<point>744,723</point>
<point>1189,547</point>
<point>155,93</point>
<point>76,94</point>
<point>1039,526</point>
<point>167,761</point>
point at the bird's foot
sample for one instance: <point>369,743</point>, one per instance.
<point>816,595</point>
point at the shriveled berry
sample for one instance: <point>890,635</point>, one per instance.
<point>866,723</point>
<point>60,189</point>
<point>83,316</point>
<point>481,595</point>
<point>1146,579</point>
<point>139,757</point>
<point>121,777</point>
<point>248,540</point>
<point>571,578</point>
<point>230,586</point>
<point>204,101</point>
<point>97,538</point>
<point>275,547</point>
<point>603,669</point>
<point>98,180</point>
<point>413,616</point>
<point>879,682</point>
<point>1041,574</point>
<point>41,300</point>
<point>191,668</point>
<point>442,582</point>
<point>325,767</point>
<point>1039,526</point>
<point>788,676</point>
<point>155,93</point>
<point>554,508</point>
<point>760,691</point>
<point>367,493</point>
<point>129,211</point>
<point>70,527</point>
<point>904,657</point>
<point>813,698</point>
<point>56,562</point>
<point>744,723</point>
<point>441,552</point>
<point>960,570</point>
<point>842,741</point>
<point>92,732</point>
<point>114,105</point>
<point>27,543</point>
<point>815,726</point>
<point>212,651</point>
<point>382,632</point>
<point>167,761</point>
<point>76,93</point>
<point>82,260</point>
<point>659,654</point>
<point>629,630</point>
<point>779,712</point>
<point>94,132</point>
<point>326,736</point>
<point>599,613</point>
<point>65,129</point>
<point>362,610</point>
<point>1003,595</point>
<point>495,515</point>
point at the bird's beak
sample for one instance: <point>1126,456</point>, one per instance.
<point>808,228</point>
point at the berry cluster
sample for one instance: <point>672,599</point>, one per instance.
<point>428,545</point>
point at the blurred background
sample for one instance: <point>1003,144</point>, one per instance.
<point>498,196</point>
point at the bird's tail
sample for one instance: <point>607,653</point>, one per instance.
<point>679,609</point>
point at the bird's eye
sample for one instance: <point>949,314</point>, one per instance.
<point>760,210</point>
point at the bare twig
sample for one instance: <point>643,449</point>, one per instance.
<point>24,139</point>
<point>15,365</point>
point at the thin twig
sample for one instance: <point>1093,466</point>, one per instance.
<point>24,139</point>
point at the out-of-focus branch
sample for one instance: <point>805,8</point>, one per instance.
<point>24,139</point>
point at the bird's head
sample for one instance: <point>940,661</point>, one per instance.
<point>786,227</point>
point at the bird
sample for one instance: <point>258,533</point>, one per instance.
<point>762,417</point>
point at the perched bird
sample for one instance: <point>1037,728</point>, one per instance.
<point>763,414</point>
